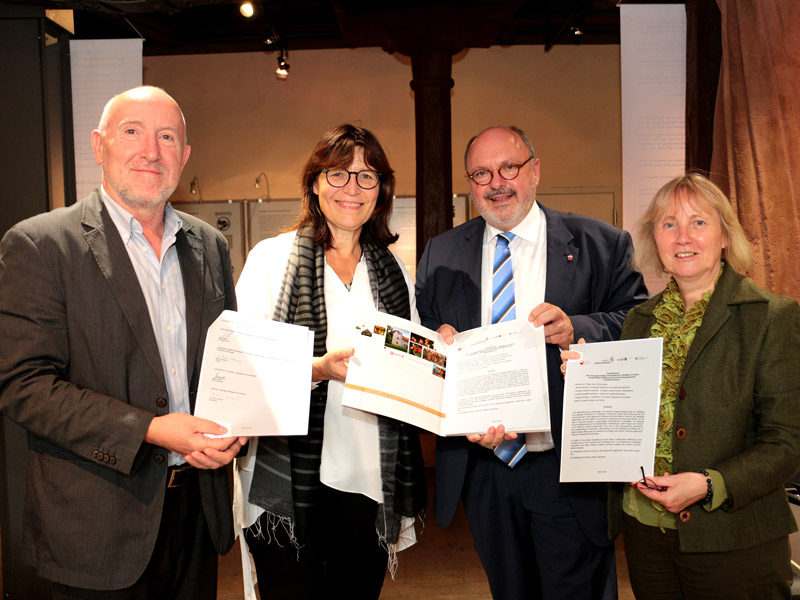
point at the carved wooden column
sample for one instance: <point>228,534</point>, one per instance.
<point>430,34</point>
<point>432,84</point>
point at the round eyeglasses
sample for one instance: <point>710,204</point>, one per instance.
<point>366,179</point>
<point>507,171</point>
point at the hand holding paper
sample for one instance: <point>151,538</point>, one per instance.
<point>568,355</point>
<point>256,376</point>
<point>487,377</point>
<point>611,400</point>
<point>493,437</point>
<point>333,365</point>
<point>558,328</point>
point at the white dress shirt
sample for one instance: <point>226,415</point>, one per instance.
<point>529,265</point>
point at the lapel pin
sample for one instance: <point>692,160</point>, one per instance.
<point>569,256</point>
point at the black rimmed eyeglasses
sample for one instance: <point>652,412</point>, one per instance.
<point>507,171</point>
<point>366,179</point>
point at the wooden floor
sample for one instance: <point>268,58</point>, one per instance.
<point>442,565</point>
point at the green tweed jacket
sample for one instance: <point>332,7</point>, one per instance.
<point>738,412</point>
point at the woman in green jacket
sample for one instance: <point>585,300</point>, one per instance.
<point>714,522</point>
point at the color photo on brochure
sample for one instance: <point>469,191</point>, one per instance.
<point>488,376</point>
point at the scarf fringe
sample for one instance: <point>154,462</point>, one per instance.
<point>273,521</point>
<point>391,549</point>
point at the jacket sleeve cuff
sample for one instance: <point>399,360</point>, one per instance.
<point>720,491</point>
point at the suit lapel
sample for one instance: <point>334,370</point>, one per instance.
<point>192,261</point>
<point>469,256</point>
<point>717,312</point>
<point>562,258</point>
<point>111,256</point>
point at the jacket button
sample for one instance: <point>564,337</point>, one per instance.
<point>161,402</point>
<point>95,453</point>
<point>158,458</point>
<point>682,394</point>
<point>112,460</point>
<point>684,516</point>
<point>105,457</point>
<point>680,433</point>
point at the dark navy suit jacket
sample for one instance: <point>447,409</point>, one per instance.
<point>588,276</point>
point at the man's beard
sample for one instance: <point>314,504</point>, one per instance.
<point>135,200</point>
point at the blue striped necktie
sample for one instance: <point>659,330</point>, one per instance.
<point>504,309</point>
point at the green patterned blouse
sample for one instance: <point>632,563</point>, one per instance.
<point>677,328</point>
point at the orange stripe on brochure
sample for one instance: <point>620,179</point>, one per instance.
<point>393,397</point>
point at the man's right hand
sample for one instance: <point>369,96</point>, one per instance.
<point>185,435</point>
<point>492,437</point>
<point>447,332</point>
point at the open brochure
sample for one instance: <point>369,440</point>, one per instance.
<point>488,376</point>
<point>256,376</point>
<point>611,409</point>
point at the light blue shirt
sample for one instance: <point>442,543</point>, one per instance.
<point>162,285</point>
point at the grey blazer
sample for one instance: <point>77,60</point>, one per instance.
<point>80,370</point>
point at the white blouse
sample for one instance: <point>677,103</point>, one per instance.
<point>350,451</point>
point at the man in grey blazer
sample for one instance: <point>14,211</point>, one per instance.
<point>536,538</point>
<point>104,311</point>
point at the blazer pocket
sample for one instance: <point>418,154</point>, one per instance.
<point>215,307</point>
<point>581,307</point>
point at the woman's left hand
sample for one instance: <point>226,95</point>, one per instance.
<point>682,490</point>
<point>567,355</point>
<point>332,365</point>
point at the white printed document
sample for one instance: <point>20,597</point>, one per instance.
<point>256,376</point>
<point>489,376</point>
<point>611,408</point>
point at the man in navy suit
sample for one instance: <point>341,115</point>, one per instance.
<point>536,538</point>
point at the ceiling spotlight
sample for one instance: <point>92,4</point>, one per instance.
<point>247,10</point>
<point>577,31</point>
<point>269,40</point>
<point>282,72</point>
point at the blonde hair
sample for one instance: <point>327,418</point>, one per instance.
<point>692,186</point>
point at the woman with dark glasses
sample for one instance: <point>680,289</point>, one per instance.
<point>323,513</point>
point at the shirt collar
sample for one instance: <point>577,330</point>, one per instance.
<point>126,223</point>
<point>527,229</point>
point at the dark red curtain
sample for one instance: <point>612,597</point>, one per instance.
<point>756,155</point>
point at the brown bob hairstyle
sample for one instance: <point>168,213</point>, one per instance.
<point>335,150</point>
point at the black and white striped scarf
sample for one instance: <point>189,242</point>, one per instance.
<point>286,476</point>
